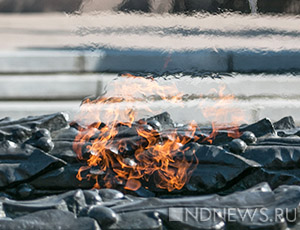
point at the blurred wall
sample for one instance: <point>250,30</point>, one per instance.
<point>158,6</point>
<point>39,5</point>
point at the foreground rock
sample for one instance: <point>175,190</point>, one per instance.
<point>251,182</point>
<point>259,207</point>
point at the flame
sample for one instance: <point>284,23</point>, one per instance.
<point>222,115</point>
<point>146,154</point>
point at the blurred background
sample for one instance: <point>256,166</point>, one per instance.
<point>171,6</point>
<point>54,53</point>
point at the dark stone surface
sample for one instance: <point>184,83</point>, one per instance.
<point>24,191</point>
<point>64,150</point>
<point>110,194</point>
<point>164,119</point>
<point>217,169</point>
<point>43,143</point>
<point>15,209</point>
<point>285,123</point>
<point>49,220</point>
<point>92,197</point>
<point>72,201</point>
<point>234,181</point>
<point>274,157</point>
<point>51,122</point>
<point>248,137</point>
<point>61,179</point>
<point>20,163</point>
<point>283,141</point>
<point>237,146</point>
<point>104,216</point>
<point>139,221</point>
<point>260,128</point>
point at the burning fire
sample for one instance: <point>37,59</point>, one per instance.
<point>123,150</point>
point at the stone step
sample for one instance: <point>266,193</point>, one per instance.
<point>154,61</point>
<point>78,86</point>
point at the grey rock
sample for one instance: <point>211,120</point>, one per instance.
<point>281,141</point>
<point>63,178</point>
<point>64,150</point>
<point>248,137</point>
<point>137,221</point>
<point>66,134</point>
<point>237,146</point>
<point>110,194</point>
<point>155,124</point>
<point>260,128</point>
<point>275,179</point>
<point>44,143</point>
<point>103,215</point>
<point>41,133</point>
<point>75,200</point>
<point>22,162</point>
<point>92,197</point>
<point>49,220</point>
<point>24,191</point>
<point>15,209</point>
<point>15,133</point>
<point>51,122</point>
<point>217,168</point>
<point>274,157</point>
<point>72,201</point>
<point>164,119</point>
<point>285,123</point>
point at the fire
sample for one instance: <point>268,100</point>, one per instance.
<point>222,115</point>
<point>143,153</point>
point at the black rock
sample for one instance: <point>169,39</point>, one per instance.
<point>15,209</point>
<point>260,128</point>
<point>66,134</point>
<point>285,123</point>
<point>15,133</point>
<point>92,197</point>
<point>191,218</point>
<point>72,201</point>
<point>155,124</point>
<point>75,200</point>
<point>275,179</point>
<point>217,169</point>
<point>49,220</point>
<point>41,133</point>
<point>64,150</point>
<point>274,157</point>
<point>44,143</point>
<point>137,220</point>
<point>62,179</point>
<point>281,141</point>
<point>248,137</point>
<point>51,122</point>
<point>164,119</point>
<point>103,215</point>
<point>237,146</point>
<point>24,191</point>
<point>110,194</point>
<point>20,163</point>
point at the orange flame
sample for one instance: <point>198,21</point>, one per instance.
<point>163,158</point>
